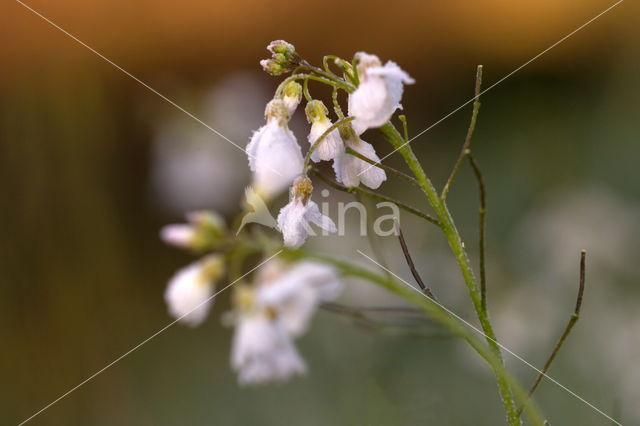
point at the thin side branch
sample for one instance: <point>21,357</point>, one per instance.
<point>467,139</point>
<point>405,250</point>
<point>572,321</point>
<point>482,219</point>
<point>376,196</point>
<point>382,166</point>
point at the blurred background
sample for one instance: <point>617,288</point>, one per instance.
<point>92,164</point>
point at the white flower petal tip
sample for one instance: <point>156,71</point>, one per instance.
<point>297,291</point>
<point>351,170</point>
<point>331,145</point>
<point>179,235</point>
<point>262,351</point>
<point>275,158</point>
<point>379,94</point>
<point>294,219</point>
<point>189,292</point>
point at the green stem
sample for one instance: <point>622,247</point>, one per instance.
<point>326,133</point>
<point>467,139</point>
<point>305,90</point>
<point>482,213</point>
<point>336,104</point>
<point>376,196</point>
<point>320,79</point>
<point>435,311</point>
<point>457,247</point>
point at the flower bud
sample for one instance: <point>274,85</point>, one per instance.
<point>291,96</point>
<point>282,47</point>
<point>316,111</point>
<point>302,189</point>
<point>282,58</point>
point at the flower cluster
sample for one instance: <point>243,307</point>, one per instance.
<point>275,158</point>
<point>276,305</point>
<point>267,315</point>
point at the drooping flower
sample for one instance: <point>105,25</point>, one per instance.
<point>202,231</point>
<point>294,218</point>
<point>190,290</point>
<point>261,350</point>
<point>291,96</point>
<point>351,170</point>
<point>379,93</point>
<point>331,145</point>
<point>275,157</point>
<point>294,292</point>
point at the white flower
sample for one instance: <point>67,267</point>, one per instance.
<point>350,170</point>
<point>294,218</point>
<point>261,350</point>
<point>189,292</point>
<point>294,293</point>
<point>179,235</point>
<point>291,96</point>
<point>331,145</point>
<point>379,93</point>
<point>202,230</point>
<point>275,157</point>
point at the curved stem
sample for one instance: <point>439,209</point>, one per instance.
<point>435,311</point>
<point>377,196</point>
<point>318,141</point>
<point>457,247</point>
<point>310,77</point>
<point>336,104</point>
<point>305,90</point>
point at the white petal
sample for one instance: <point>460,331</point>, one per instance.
<point>378,96</point>
<point>346,168</point>
<point>293,224</point>
<point>370,175</point>
<point>330,146</point>
<point>179,235</point>
<point>295,295</point>
<point>278,159</point>
<point>262,351</point>
<point>188,295</point>
<point>313,215</point>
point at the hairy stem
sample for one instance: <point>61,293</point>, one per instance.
<point>435,311</point>
<point>457,247</point>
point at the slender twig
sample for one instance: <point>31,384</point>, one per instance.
<point>405,250</point>
<point>318,141</point>
<point>377,196</point>
<point>398,173</point>
<point>403,118</point>
<point>305,89</point>
<point>482,227</point>
<point>336,104</point>
<point>572,321</point>
<point>467,139</point>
